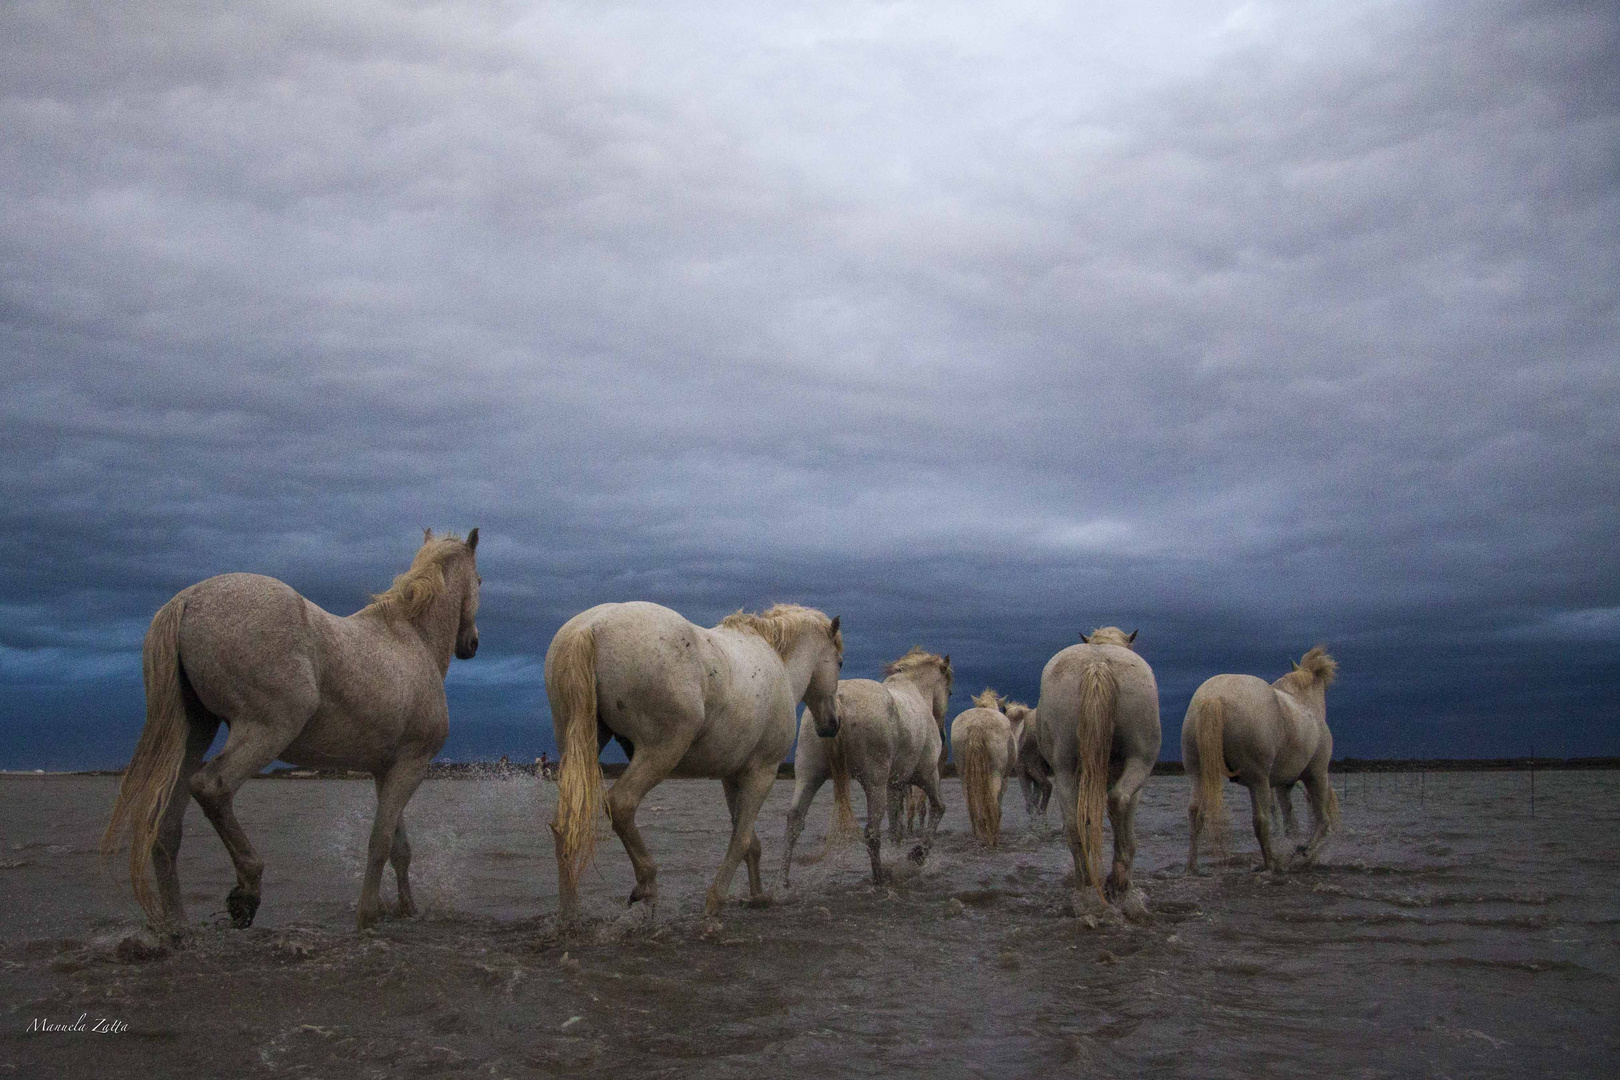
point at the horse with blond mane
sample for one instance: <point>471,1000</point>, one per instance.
<point>686,701</point>
<point>982,743</point>
<point>1266,736</point>
<point>890,738</point>
<point>1034,774</point>
<point>1099,730</point>
<point>292,682</point>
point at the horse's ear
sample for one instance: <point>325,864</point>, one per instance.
<point>1132,637</point>
<point>834,628</point>
<point>427,534</point>
<point>1083,639</point>
<point>472,540</point>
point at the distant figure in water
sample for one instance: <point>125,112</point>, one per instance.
<point>543,763</point>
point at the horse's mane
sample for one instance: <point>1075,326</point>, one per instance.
<point>1016,710</point>
<point>917,659</point>
<point>423,583</point>
<point>989,699</point>
<point>1315,666</point>
<point>1110,635</point>
<point>782,624</point>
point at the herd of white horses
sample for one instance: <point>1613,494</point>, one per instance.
<point>366,692</point>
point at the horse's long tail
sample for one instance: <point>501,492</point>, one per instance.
<point>978,780</point>
<point>1209,735</point>
<point>844,825</point>
<point>1330,806</point>
<point>154,770</point>
<point>1094,732</point>
<point>571,688</point>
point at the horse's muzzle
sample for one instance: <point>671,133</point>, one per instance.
<point>466,650</point>
<point>826,730</point>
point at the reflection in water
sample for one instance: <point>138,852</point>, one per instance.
<point>1456,936</point>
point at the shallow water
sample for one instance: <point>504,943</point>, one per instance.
<point>1456,937</point>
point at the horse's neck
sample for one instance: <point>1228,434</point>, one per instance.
<point>437,626</point>
<point>801,663</point>
<point>922,697</point>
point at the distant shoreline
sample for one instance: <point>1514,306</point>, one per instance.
<point>476,770</point>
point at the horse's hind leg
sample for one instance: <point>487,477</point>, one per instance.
<point>1122,800</point>
<point>1260,803</point>
<point>249,747</point>
<point>650,765</point>
<point>201,727</point>
<point>936,811</point>
<point>805,786</point>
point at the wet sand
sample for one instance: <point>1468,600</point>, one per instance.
<point>1459,937</point>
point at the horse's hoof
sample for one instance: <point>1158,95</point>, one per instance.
<point>763,900</point>
<point>242,907</point>
<point>918,854</point>
<point>712,902</point>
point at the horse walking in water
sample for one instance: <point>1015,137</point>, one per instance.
<point>1266,736</point>
<point>1099,730</point>
<point>890,738</point>
<point>292,682</point>
<point>982,743</point>
<point>682,699</point>
<point>1034,774</point>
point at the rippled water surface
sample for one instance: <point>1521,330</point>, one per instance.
<point>1456,936</point>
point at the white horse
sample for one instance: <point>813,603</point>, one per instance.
<point>715,703</point>
<point>1099,730</point>
<point>1266,736</point>
<point>982,743</point>
<point>1034,774</point>
<point>291,682</point>
<point>890,738</point>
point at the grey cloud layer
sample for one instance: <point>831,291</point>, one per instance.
<point>1262,319</point>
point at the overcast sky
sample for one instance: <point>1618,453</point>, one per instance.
<point>1247,325</point>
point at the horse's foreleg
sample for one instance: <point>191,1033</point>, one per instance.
<point>805,786</point>
<point>936,811</point>
<point>399,856</point>
<point>751,791</point>
<point>1260,802</point>
<point>248,748</point>
<point>879,801</point>
<point>394,790</point>
<point>756,886</point>
<point>1285,809</point>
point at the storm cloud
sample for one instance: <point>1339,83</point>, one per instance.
<point>1246,325</point>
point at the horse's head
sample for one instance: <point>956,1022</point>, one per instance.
<point>1110,635</point>
<point>942,690</point>
<point>467,626</point>
<point>821,695</point>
